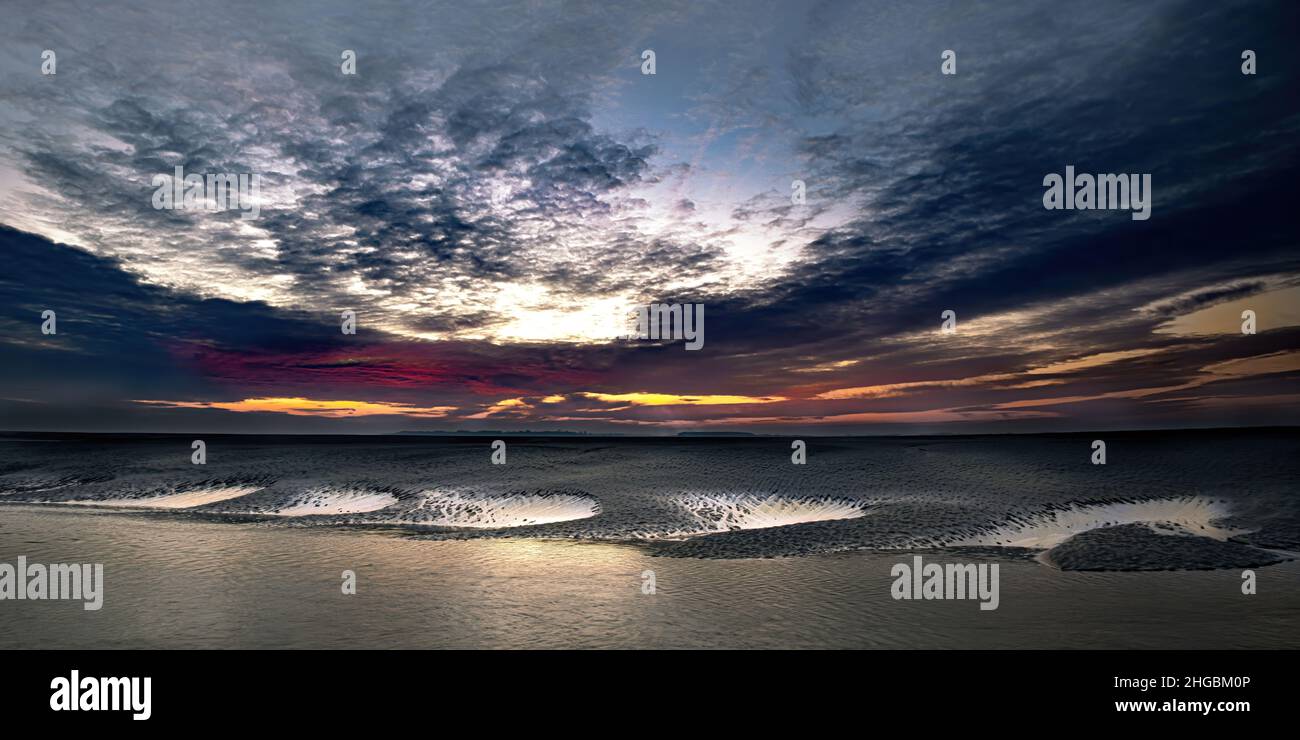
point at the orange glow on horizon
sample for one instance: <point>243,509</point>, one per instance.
<point>673,399</point>
<point>310,407</point>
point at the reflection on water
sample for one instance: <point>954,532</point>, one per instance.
<point>179,584</point>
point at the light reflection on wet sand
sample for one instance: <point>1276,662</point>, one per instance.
<point>174,583</point>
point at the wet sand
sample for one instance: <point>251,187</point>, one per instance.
<point>175,582</point>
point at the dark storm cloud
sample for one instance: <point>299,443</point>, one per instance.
<point>112,331</point>
<point>964,222</point>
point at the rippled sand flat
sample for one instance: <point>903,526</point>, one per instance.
<point>456,509</point>
<point>1192,515</point>
<point>725,499</point>
<point>184,500</point>
<point>335,501</point>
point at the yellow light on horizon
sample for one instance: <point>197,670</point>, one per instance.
<point>673,399</point>
<point>310,407</point>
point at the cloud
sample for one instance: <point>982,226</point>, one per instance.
<point>498,179</point>
<point>310,407</point>
<point>672,399</point>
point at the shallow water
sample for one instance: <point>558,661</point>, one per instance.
<point>174,582</point>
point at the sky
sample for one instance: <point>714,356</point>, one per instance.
<point>499,185</point>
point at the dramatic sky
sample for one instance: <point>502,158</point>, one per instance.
<point>499,183</point>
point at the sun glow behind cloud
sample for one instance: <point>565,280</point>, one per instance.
<point>533,314</point>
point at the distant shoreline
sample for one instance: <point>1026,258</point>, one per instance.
<point>33,435</point>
